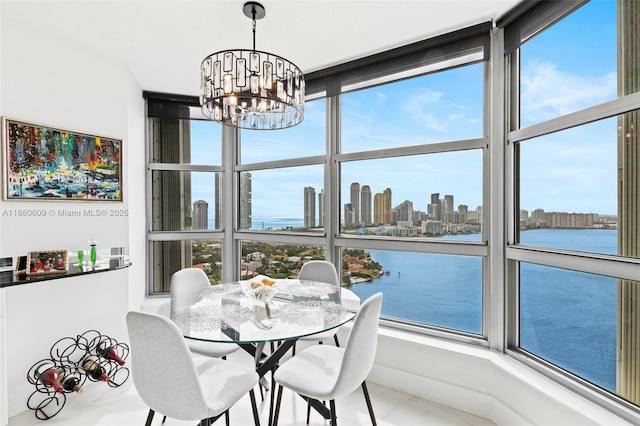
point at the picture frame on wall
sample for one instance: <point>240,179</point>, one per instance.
<point>46,163</point>
<point>47,262</point>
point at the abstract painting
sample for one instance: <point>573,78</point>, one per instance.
<point>47,163</point>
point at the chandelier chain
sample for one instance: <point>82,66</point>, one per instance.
<point>254,28</point>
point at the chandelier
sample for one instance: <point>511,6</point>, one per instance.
<point>251,89</point>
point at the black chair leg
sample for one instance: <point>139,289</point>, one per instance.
<point>276,413</point>
<point>369,406</point>
<point>335,339</point>
<point>211,420</point>
<point>273,393</point>
<point>163,419</point>
<point>149,417</point>
<point>332,408</point>
<point>226,417</point>
<point>254,407</point>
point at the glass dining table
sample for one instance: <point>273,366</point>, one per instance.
<point>252,314</point>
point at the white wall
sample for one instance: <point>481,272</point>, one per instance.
<point>56,83</point>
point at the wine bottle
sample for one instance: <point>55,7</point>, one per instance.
<point>109,352</point>
<point>50,377</point>
<point>69,381</point>
<point>94,370</point>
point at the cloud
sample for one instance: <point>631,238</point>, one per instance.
<point>420,106</point>
<point>549,92</point>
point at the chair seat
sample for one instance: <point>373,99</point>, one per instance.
<point>223,382</point>
<point>349,299</point>
<point>313,372</point>
<point>212,349</point>
<point>319,336</point>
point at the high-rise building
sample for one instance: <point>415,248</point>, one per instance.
<point>404,211</point>
<point>365,205</point>
<point>309,207</point>
<point>538,215</point>
<point>200,215</point>
<point>349,215</point>
<point>463,212</point>
<point>388,211</point>
<point>355,201</point>
<point>245,200</point>
<point>382,211</point>
<point>435,208</point>
<point>321,208</point>
<point>378,218</point>
<point>447,205</point>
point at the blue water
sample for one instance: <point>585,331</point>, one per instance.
<point>568,318</point>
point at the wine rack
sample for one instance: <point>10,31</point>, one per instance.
<point>85,358</point>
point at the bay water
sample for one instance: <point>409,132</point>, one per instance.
<point>566,317</point>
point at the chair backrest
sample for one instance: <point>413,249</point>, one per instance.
<point>163,371</point>
<point>322,271</point>
<point>185,284</point>
<point>360,349</point>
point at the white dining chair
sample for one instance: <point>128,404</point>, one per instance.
<point>185,284</point>
<point>324,271</point>
<point>324,372</point>
<point>172,382</point>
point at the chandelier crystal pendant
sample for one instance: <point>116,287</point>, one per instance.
<point>251,89</point>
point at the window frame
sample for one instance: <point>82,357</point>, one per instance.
<point>517,29</point>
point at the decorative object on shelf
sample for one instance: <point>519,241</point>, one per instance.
<point>252,89</point>
<point>53,164</point>
<point>47,262</point>
<point>71,363</point>
<point>93,253</point>
<point>21,265</point>
<point>6,264</point>
<point>80,259</point>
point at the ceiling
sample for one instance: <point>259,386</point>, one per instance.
<point>163,42</point>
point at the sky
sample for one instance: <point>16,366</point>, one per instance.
<point>566,68</point>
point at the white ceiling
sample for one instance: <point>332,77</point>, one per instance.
<point>163,42</point>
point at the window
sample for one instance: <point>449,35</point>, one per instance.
<point>568,188</point>
<point>171,256</point>
<point>575,190</point>
<point>304,140</point>
<point>441,106</point>
<point>277,260</point>
<point>419,288</point>
<point>282,189</point>
<point>185,174</point>
<point>427,195</point>
<point>285,199</point>
<point>580,308</point>
<point>570,65</point>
